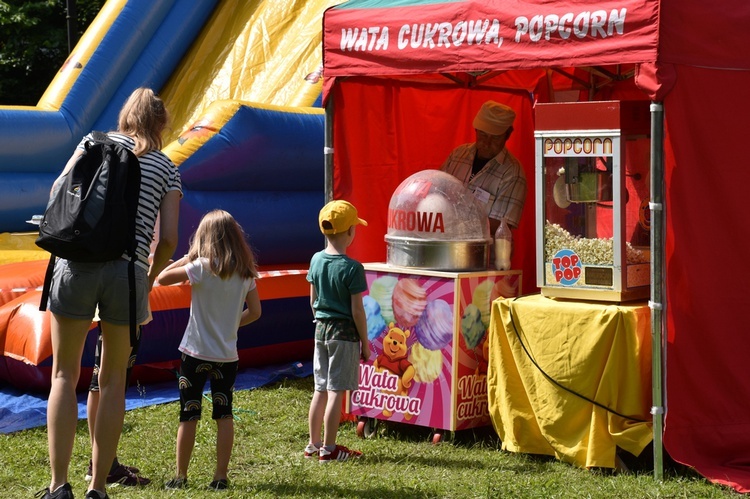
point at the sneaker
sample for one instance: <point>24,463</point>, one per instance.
<point>177,482</point>
<point>116,474</point>
<point>312,451</point>
<point>95,494</point>
<point>220,484</point>
<point>340,453</point>
<point>122,475</point>
<point>63,492</point>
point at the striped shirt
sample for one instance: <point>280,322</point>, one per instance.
<point>158,176</point>
<point>501,181</point>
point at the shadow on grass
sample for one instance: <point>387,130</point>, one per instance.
<point>644,464</point>
<point>482,436</point>
<point>530,465</point>
<point>366,491</point>
<point>486,437</point>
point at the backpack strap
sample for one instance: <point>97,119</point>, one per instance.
<point>131,286</point>
<point>103,137</point>
<point>47,283</point>
<point>136,175</point>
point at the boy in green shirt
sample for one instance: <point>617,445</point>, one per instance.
<point>336,286</point>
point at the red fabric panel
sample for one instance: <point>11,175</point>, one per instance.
<point>698,33</point>
<point>656,80</point>
<point>707,241</point>
<point>386,130</point>
<point>530,34</point>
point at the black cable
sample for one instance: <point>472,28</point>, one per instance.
<point>557,383</point>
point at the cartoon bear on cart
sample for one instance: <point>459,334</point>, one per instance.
<point>394,359</point>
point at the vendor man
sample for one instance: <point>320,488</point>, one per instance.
<point>488,169</point>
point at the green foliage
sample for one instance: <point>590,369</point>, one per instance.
<point>34,45</point>
<point>271,432</point>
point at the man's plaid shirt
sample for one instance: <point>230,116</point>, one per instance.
<point>502,177</point>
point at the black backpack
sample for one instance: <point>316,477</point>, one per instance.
<point>91,214</point>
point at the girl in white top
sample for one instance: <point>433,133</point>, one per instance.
<point>221,269</point>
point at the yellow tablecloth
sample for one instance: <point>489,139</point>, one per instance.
<point>599,350</point>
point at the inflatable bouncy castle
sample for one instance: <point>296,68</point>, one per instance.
<point>241,82</point>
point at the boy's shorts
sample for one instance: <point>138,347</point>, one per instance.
<point>77,288</point>
<point>336,365</point>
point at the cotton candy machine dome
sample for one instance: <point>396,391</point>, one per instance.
<point>434,222</point>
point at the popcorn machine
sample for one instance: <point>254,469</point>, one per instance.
<point>592,195</point>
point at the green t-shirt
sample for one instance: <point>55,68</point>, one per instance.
<point>336,278</point>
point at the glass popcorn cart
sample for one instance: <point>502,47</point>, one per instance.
<point>592,195</point>
<point>428,311</point>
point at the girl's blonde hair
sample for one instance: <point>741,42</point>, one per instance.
<point>143,117</point>
<point>221,240</point>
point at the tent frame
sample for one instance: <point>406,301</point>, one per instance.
<point>656,206</point>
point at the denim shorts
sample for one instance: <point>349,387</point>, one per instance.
<point>78,288</point>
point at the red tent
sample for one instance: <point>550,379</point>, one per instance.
<point>403,79</point>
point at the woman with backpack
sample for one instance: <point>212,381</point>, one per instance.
<point>80,288</point>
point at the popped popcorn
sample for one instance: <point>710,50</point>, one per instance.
<point>592,251</point>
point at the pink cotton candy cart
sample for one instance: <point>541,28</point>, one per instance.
<point>428,340</point>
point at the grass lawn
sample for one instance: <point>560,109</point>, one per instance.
<point>399,461</point>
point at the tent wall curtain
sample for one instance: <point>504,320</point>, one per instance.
<point>708,234</point>
<point>386,130</point>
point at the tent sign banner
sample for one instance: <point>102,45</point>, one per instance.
<point>409,37</point>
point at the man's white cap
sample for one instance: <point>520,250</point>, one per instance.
<point>494,118</point>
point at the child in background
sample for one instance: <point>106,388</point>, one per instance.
<point>221,269</point>
<point>336,286</point>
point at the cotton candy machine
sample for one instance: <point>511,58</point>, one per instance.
<point>434,222</point>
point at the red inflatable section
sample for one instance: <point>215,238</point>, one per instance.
<point>18,278</point>
<point>27,353</point>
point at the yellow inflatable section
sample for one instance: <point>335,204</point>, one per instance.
<point>20,248</point>
<point>262,51</point>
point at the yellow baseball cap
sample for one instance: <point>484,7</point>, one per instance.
<point>337,216</point>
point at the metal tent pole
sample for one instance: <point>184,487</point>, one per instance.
<point>328,151</point>
<point>657,285</point>
<point>71,17</point>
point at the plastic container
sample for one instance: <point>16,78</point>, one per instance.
<point>434,222</point>
<point>503,246</point>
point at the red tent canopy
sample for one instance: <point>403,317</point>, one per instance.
<point>366,37</point>
<point>404,78</point>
